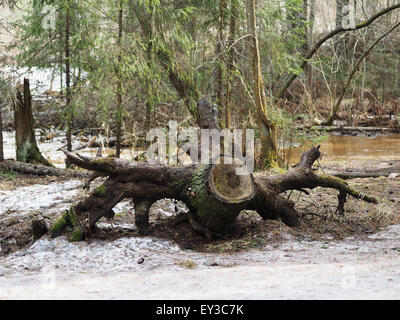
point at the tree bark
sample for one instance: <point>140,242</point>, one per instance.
<point>341,45</point>
<point>269,156</point>
<point>26,147</point>
<point>150,64</point>
<point>214,193</point>
<point>220,54</point>
<point>119,81</point>
<point>230,63</point>
<point>353,174</point>
<point>70,113</point>
<point>310,40</point>
<point>1,137</point>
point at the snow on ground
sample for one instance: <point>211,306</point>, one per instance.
<point>40,79</point>
<point>48,199</point>
<point>51,149</point>
<point>148,268</point>
<point>52,197</point>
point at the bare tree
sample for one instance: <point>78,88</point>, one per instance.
<point>328,36</point>
<point>266,126</point>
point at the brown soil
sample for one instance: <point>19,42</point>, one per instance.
<point>16,232</point>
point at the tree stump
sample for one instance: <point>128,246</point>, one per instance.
<point>27,149</point>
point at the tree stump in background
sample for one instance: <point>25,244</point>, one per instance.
<point>26,147</point>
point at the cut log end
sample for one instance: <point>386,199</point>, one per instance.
<point>229,187</point>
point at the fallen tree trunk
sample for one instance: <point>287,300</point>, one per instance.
<point>111,142</point>
<point>371,170</point>
<point>214,193</point>
<point>348,130</point>
<point>353,174</point>
<point>41,170</point>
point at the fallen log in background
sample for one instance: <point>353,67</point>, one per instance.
<point>214,194</point>
<point>21,167</point>
<point>352,130</point>
<point>390,168</point>
<point>96,142</point>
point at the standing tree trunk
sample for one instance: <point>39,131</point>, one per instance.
<point>342,45</point>
<point>27,149</point>
<point>70,113</point>
<point>297,25</point>
<point>231,63</point>
<point>179,78</point>
<point>220,54</point>
<point>269,154</point>
<point>150,64</point>
<point>119,81</point>
<point>1,136</point>
<point>310,40</point>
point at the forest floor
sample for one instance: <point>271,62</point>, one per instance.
<point>355,256</point>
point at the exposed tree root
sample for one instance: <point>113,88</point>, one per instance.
<point>215,197</point>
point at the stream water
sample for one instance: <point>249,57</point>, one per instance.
<point>339,147</point>
<point>361,147</point>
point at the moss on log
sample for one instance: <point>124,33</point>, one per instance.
<point>60,225</point>
<point>70,223</point>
